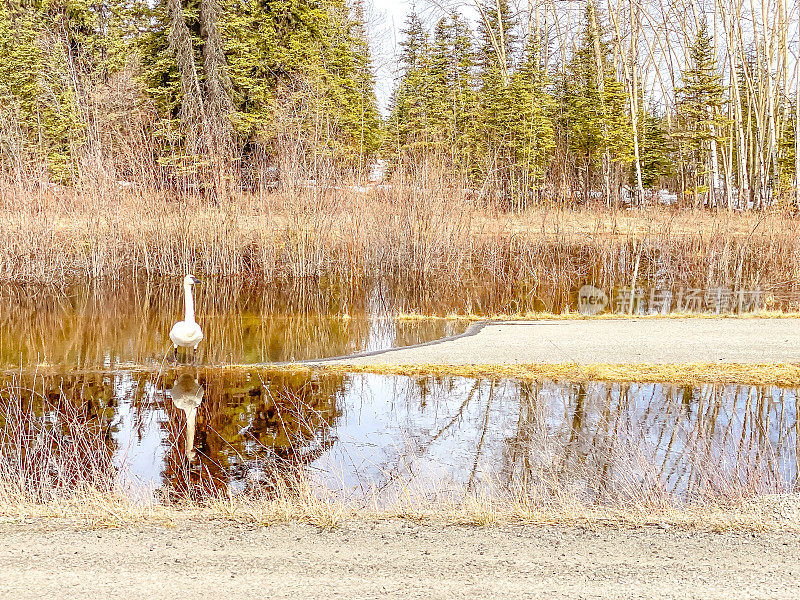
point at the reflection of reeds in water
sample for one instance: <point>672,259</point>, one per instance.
<point>519,450</point>
<point>54,442</point>
<point>251,433</point>
<point>97,326</point>
<point>607,443</point>
<point>655,444</point>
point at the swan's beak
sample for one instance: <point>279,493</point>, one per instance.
<point>195,280</point>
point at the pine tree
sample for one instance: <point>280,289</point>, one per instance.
<point>37,91</point>
<point>465,99</point>
<point>700,102</point>
<point>533,127</point>
<point>368,119</point>
<point>408,121</point>
<point>440,79</point>
<point>496,103</point>
<point>280,75</point>
<point>655,150</point>
<point>593,116</point>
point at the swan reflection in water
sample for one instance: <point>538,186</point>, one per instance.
<point>187,395</point>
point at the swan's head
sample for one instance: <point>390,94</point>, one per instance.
<point>190,280</point>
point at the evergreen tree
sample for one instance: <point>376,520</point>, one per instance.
<point>655,151</point>
<point>496,102</point>
<point>408,122</point>
<point>37,90</point>
<point>450,93</point>
<point>275,71</point>
<point>533,126</point>
<point>593,116</point>
<point>463,98</point>
<point>700,102</point>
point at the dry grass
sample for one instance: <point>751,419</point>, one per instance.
<point>92,508</point>
<point>430,241</point>
<point>767,374</point>
<point>784,375</point>
<point>577,316</point>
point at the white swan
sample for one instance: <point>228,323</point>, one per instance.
<point>187,333</point>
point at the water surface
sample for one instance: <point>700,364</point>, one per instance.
<point>88,326</point>
<point>189,432</point>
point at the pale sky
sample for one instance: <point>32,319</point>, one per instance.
<point>385,18</point>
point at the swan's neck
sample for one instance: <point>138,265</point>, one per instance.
<point>189,300</point>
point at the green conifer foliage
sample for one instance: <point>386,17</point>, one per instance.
<point>486,117</point>
<point>408,122</point>
<point>497,105</point>
<point>37,91</point>
<point>656,150</point>
<point>700,102</point>
<point>534,136</point>
<point>281,72</point>
<point>593,117</point>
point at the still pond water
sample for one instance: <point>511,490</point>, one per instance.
<point>186,431</point>
<point>85,326</point>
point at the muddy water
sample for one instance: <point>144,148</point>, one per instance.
<point>188,432</point>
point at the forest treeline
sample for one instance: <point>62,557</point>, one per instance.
<point>616,101</point>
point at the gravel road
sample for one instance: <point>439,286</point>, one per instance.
<point>393,560</point>
<point>606,341</point>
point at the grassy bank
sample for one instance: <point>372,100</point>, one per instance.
<point>758,374</point>
<point>783,375</point>
<point>434,241</point>
<point>94,508</point>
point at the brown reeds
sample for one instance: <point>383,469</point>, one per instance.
<point>52,447</point>
<point>428,243</point>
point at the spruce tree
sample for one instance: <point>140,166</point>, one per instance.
<point>533,126</point>
<point>656,150</point>
<point>700,102</point>
<point>38,77</point>
<point>408,122</point>
<point>496,103</point>
<point>593,118</point>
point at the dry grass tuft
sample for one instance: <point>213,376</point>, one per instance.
<point>322,508</point>
<point>784,375</point>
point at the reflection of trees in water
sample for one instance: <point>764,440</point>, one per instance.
<point>251,432</point>
<point>608,441</point>
<point>628,440</point>
<point>482,293</point>
<point>604,441</point>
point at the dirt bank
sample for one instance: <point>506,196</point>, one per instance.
<point>393,560</point>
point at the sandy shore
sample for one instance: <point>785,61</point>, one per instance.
<point>393,560</point>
